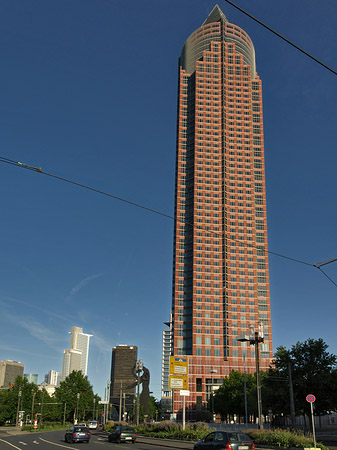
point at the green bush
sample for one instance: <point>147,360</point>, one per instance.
<point>47,426</point>
<point>171,430</point>
<point>283,438</point>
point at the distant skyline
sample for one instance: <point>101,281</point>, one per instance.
<point>90,94</point>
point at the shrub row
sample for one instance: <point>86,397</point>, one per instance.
<point>197,431</point>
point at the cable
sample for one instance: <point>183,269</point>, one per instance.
<point>282,37</point>
<point>39,170</point>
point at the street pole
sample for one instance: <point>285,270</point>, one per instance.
<point>313,424</point>
<point>17,410</point>
<point>258,380</point>
<point>124,413</point>
<point>108,399</point>
<point>120,403</point>
<point>184,411</point>
<point>31,418</point>
<point>245,387</point>
<point>93,411</point>
<point>41,412</point>
<point>78,398</point>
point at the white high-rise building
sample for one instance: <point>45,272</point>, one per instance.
<point>76,357</point>
<point>52,378</point>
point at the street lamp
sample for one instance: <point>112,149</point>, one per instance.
<point>78,398</point>
<point>31,418</point>
<point>255,338</point>
<point>17,410</point>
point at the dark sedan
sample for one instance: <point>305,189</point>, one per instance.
<point>77,433</point>
<point>122,434</point>
<point>229,440</point>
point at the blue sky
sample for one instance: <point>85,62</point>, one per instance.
<point>88,93</point>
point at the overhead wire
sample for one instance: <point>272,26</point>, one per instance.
<point>38,169</point>
<point>168,216</point>
<point>281,37</point>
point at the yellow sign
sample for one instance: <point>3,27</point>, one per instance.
<point>178,366</point>
<point>178,382</point>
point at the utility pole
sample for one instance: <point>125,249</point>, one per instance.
<point>17,410</point>
<point>108,394</point>
<point>245,386</point>
<point>41,412</point>
<point>120,402</point>
<point>31,418</point>
<point>255,338</point>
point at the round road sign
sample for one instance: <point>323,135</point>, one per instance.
<point>310,398</point>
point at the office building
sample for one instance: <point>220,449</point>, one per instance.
<point>32,377</point>
<point>76,357</point>
<point>123,376</point>
<point>166,392</point>
<point>220,272</point>
<point>9,370</point>
<point>52,378</point>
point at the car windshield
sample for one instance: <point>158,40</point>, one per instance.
<point>239,437</point>
<point>127,429</point>
<point>83,429</point>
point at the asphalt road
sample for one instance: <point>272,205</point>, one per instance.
<point>54,440</point>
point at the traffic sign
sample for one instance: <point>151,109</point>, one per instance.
<point>185,392</point>
<point>177,382</point>
<point>178,366</point>
<point>310,398</point>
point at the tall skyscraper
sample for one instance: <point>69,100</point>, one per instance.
<point>123,376</point>
<point>76,358</point>
<point>220,273</point>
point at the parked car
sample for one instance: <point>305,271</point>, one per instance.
<point>77,433</point>
<point>230,440</point>
<point>122,433</point>
<point>93,425</point>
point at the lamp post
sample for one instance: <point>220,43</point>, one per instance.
<point>31,417</point>
<point>17,410</point>
<point>78,399</point>
<point>41,412</point>
<point>93,411</point>
<point>255,338</point>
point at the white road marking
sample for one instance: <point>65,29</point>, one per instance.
<point>36,442</point>
<point>23,443</point>
<point>54,443</point>
<point>18,448</point>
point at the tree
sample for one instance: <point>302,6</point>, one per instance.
<point>76,390</point>
<point>313,372</point>
<point>18,397</point>
<point>229,398</point>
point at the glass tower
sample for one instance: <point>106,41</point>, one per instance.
<point>220,273</point>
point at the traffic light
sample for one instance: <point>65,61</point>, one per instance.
<point>11,387</point>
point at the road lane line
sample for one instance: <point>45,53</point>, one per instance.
<point>18,448</point>
<point>54,443</point>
